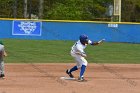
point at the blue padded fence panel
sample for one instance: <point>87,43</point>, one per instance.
<point>72,30</point>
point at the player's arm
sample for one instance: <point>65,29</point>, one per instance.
<point>80,51</point>
<point>93,43</point>
<point>96,43</point>
<point>5,54</point>
<point>83,54</point>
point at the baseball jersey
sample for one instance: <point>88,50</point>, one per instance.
<point>78,47</point>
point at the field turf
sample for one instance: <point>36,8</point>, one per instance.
<point>47,51</point>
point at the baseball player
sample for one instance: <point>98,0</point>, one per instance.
<point>77,52</point>
<point>2,54</point>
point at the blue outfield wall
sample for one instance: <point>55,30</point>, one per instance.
<point>62,30</point>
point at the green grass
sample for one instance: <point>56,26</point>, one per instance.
<point>45,51</point>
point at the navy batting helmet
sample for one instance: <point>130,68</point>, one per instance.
<point>83,39</point>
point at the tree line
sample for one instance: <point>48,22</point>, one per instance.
<point>68,9</point>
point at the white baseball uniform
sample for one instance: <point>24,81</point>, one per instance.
<point>1,59</point>
<point>78,47</point>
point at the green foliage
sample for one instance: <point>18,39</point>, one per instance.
<point>77,9</point>
<point>130,10</point>
<point>61,9</point>
<point>72,9</point>
<point>6,8</point>
<point>69,10</point>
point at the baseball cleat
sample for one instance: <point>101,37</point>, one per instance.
<point>81,79</point>
<point>70,74</point>
<point>2,76</point>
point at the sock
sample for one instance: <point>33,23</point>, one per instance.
<point>73,69</point>
<point>83,68</point>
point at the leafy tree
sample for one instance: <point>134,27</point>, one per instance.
<point>130,10</point>
<point>77,9</point>
<point>6,8</point>
<point>71,9</point>
<point>67,10</point>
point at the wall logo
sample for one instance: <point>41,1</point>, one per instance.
<point>26,28</point>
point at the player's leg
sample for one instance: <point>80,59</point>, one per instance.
<point>69,71</point>
<point>2,69</point>
<point>1,61</point>
<point>83,66</point>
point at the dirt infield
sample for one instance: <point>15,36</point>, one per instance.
<point>45,78</point>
